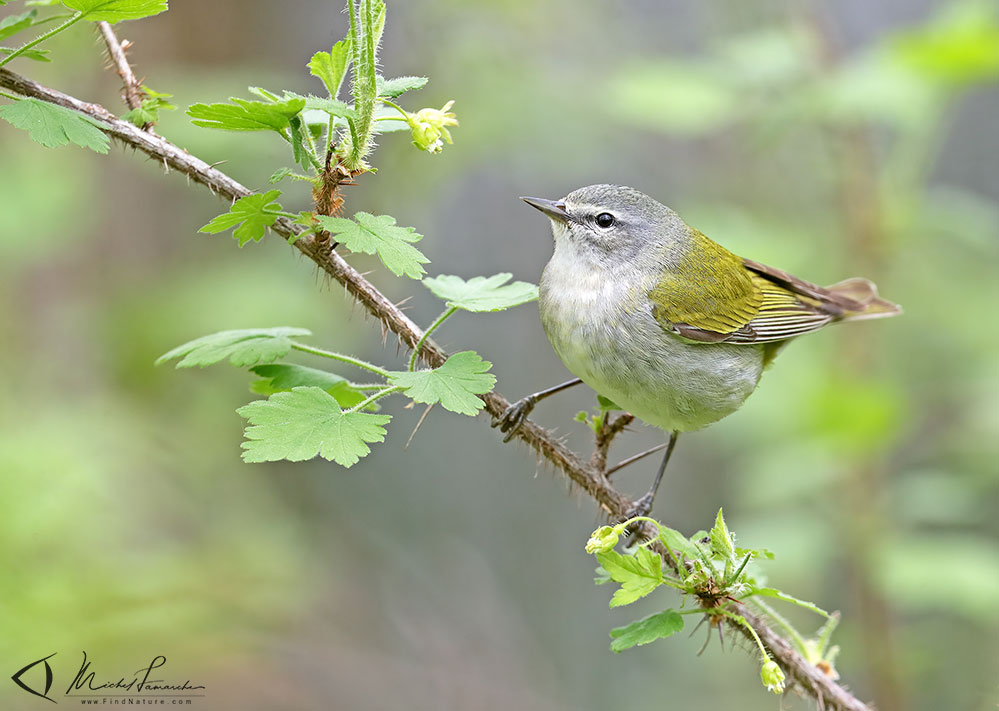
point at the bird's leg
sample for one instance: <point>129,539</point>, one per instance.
<point>513,417</point>
<point>643,506</point>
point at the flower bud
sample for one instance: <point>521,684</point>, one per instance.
<point>772,676</point>
<point>603,539</point>
<point>429,127</point>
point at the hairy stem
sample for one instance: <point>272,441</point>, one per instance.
<point>426,334</point>
<point>341,357</point>
<point>41,38</point>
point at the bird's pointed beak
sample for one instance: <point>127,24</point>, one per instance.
<point>553,208</point>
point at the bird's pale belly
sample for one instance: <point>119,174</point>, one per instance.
<point>617,348</point>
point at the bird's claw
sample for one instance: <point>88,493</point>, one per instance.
<point>513,417</point>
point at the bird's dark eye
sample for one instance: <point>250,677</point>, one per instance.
<point>605,220</point>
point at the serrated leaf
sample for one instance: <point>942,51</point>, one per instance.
<point>757,553</point>
<point>54,126</point>
<point>299,151</point>
<point>637,574</point>
<point>116,10</point>
<point>721,539</point>
<point>305,422</point>
<point>149,110</point>
<point>781,595</point>
<point>379,235</point>
<point>280,174</point>
<point>331,67</point>
<point>391,88</point>
<point>38,55</point>
<point>659,626</point>
<point>243,115</point>
<point>482,293</point>
<point>333,107</point>
<point>678,543</point>
<point>281,377</point>
<point>454,385</point>
<point>253,213</point>
<point>242,347</point>
<point>12,24</point>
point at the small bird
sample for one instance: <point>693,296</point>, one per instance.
<point>666,323</point>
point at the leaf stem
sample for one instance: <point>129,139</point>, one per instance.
<point>795,635</point>
<point>377,396</point>
<point>357,362</point>
<point>742,621</point>
<point>13,97</point>
<point>76,17</point>
<point>426,334</point>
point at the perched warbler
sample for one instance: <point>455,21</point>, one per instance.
<point>666,323</point>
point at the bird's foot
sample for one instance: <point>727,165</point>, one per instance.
<point>513,417</point>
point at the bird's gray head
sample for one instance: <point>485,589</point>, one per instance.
<point>611,223</point>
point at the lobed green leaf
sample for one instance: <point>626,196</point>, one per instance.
<point>12,24</point>
<point>659,626</point>
<point>253,213</point>
<point>243,115</point>
<point>242,347</point>
<point>281,377</point>
<point>305,422</point>
<point>54,126</point>
<point>482,293</point>
<point>379,235</point>
<point>116,10</point>
<point>638,574</point>
<point>454,385</point>
<point>331,67</point>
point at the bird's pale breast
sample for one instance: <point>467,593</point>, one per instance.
<point>602,328</point>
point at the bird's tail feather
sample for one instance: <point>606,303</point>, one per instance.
<point>864,294</point>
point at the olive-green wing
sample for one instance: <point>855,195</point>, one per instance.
<point>707,298</point>
<point>735,300</point>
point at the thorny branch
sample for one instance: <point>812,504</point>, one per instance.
<point>826,692</point>
<point>131,86</point>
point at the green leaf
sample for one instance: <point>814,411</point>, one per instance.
<point>333,107</point>
<point>149,110</point>
<point>721,539</point>
<point>482,293</point>
<point>454,385</point>
<point>254,214</point>
<point>331,67</point>
<point>12,24</point>
<point>299,151</point>
<point>391,88</point>
<point>638,574</point>
<point>606,404</point>
<point>38,55</point>
<point>379,235</point>
<point>678,543</point>
<point>243,347</point>
<point>659,626</point>
<point>757,553</point>
<point>246,115</point>
<point>280,377</point>
<point>307,421</point>
<point>53,125</point>
<point>116,10</point>
<point>781,595</point>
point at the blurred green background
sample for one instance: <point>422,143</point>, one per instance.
<point>828,139</point>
